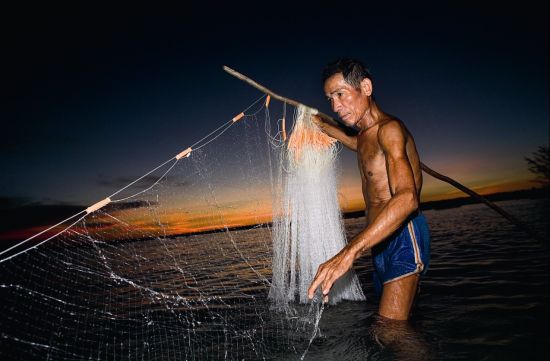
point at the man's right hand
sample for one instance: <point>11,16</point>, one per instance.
<point>335,132</point>
<point>317,119</point>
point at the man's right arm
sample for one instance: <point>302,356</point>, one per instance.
<point>349,141</point>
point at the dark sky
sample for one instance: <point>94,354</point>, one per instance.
<point>95,96</point>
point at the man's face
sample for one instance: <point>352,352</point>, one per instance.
<point>350,103</point>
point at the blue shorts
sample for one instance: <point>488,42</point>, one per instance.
<point>405,253</point>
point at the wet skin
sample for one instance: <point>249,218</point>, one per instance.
<point>391,181</point>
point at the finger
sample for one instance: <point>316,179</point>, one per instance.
<point>328,282</point>
<point>319,270</point>
<point>316,282</point>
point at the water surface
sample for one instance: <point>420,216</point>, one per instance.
<point>203,297</point>
<point>485,296</point>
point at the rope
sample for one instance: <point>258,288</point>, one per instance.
<point>46,240</point>
<point>215,134</point>
<point>154,184</point>
<point>38,234</point>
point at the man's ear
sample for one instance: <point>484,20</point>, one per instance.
<point>366,86</point>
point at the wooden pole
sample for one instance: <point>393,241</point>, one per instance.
<point>424,167</point>
<point>480,198</point>
<point>263,89</point>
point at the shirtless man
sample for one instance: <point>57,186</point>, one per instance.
<point>396,232</point>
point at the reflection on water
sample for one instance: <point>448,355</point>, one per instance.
<point>485,297</point>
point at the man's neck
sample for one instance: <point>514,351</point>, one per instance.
<point>373,115</point>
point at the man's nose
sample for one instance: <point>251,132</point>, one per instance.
<point>336,105</point>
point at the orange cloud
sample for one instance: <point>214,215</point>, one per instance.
<point>192,212</point>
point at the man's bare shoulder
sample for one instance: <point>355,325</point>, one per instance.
<point>391,129</point>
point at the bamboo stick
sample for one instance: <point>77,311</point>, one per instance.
<point>424,167</point>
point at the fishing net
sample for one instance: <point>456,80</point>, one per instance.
<point>188,262</point>
<point>308,227</point>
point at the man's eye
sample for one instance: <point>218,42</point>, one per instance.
<point>339,94</point>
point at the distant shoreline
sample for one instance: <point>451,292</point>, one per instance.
<point>533,193</point>
<point>43,211</point>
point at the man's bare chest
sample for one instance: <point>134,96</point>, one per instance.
<point>371,158</point>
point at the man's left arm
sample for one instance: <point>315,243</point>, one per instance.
<point>403,202</point>
<point>404,197</point>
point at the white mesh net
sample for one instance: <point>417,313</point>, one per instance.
<point>308,227</point>
<point>178,266</point>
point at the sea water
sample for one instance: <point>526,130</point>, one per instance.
<point>484,297</point>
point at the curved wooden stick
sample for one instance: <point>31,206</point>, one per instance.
<point>425,168</point>
<point>480,198</point>
<point>262,88</point>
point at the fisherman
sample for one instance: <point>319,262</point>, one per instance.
<point>396,232</point>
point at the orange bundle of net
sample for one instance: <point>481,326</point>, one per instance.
<point>306,133</point>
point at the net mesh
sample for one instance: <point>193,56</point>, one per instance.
<point>308,228</point>
<point>176,267</point>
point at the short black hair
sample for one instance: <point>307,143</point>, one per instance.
<point>353,71</point>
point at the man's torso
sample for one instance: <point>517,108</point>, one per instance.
<point>373,170</point>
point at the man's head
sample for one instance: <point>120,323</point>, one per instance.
<point>352,70</point>
<point>348,87</point>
